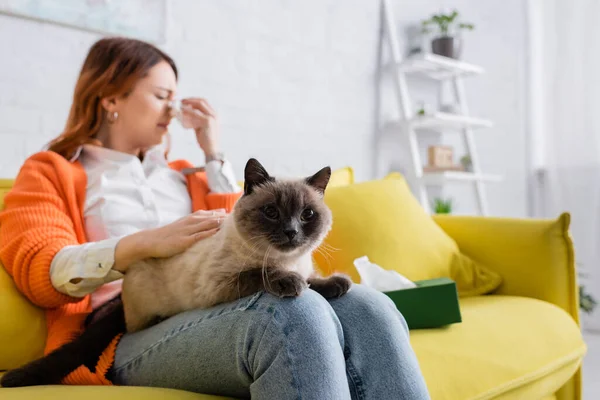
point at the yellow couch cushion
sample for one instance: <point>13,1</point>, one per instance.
<point>5,185</point>
<point>506,347</point>
<point>382,220</point>
<point>22,325</point>
<point>101,393</point>
<point>341,177</point>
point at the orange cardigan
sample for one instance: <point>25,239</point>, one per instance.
<point>44,213</point>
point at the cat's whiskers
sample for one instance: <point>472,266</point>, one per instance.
<point>325,253</point>
<point>253,238</point>
<point>251,247</point>
<point>328,260</point>
<point>265,275</point>
<point>328,247</point>
<point>254,248</point>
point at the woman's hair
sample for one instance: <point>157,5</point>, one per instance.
<point>111,68</point>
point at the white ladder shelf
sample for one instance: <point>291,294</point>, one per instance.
<point>441,69</point>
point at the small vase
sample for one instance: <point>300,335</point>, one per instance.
<point>446,46</point>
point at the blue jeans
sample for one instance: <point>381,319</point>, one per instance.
<point>354,347</point>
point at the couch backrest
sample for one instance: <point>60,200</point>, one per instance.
<point>5,185</point>
<point>22,325</point>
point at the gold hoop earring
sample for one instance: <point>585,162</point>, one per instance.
<point>112,117</point>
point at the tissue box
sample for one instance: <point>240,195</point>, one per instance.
<point>433,303</point>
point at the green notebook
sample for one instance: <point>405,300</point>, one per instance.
<point>432,304</point>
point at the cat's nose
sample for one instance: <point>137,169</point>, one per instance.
<point>291,233</point>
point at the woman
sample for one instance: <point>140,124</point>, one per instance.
<point>104,196</point>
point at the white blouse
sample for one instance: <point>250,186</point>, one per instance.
<point>124,195</point>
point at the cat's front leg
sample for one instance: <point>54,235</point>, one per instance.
<point>331,287</point>
<point>275,281</point>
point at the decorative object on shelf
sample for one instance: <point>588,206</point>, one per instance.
<point>441,156</point>
<point>423,109</point>
<point>441,159</point>
<point>446,43</point>
<point>442,206</point>
<point>466,163</point>
<point>450,108</point>
<point>414,39</point>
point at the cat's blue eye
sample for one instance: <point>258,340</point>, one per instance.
<point>270,212</point>
<point>307,215</point>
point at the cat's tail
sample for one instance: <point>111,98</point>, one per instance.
<point>106,323</point>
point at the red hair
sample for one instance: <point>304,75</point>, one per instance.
<point>111,69</point>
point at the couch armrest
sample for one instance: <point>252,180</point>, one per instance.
<point>534,257</point>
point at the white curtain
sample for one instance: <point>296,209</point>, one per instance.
<point>565,124</point>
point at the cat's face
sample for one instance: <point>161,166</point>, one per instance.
<point>287,216</point>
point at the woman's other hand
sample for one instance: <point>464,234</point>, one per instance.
<point>168,240</point>
<point>203,119</point>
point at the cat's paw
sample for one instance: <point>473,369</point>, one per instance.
<point>332,287</point>
<point>285,284</point>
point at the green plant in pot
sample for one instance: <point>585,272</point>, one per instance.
<point>466,162</point>
<point>446,43</point>
<point>587,302</point>
<point>442,206</point>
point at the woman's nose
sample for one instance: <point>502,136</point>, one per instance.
<point>171,111</point>
<point>174,107</point>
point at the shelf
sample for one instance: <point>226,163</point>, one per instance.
<point>437,178</point>
<point>447,121</point>
<point>438,67</point>
<point>440,121</point>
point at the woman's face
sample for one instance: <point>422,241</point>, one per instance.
<point>144,114</point>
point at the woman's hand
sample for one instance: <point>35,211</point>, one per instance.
<point>168,240</point>
<point>203,118</point>
<point>176,237</point>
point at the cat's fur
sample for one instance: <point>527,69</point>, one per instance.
<point>264,244</point>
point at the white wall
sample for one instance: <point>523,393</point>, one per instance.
<point>293,81</point>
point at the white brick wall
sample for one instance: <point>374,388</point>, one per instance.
<point>293,81</point>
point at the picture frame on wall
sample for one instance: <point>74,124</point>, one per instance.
<point>141,19</point>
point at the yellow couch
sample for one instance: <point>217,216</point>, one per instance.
<point>522,342</point>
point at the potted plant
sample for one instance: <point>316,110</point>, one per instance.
<point>423,109</point>
<point>441,206</point>
<point>445,43</point>
<point>466,162</point>
<point>587,302</point>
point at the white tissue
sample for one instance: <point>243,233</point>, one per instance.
<point>374,276</point>
<point>177,109</point>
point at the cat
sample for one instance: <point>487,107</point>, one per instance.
<point>265,244</point>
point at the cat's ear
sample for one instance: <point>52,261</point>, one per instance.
<point>320,180</point>
<point>255,174</point>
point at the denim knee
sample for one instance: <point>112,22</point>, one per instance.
<point>309,315</point>
<point>371,306</point>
